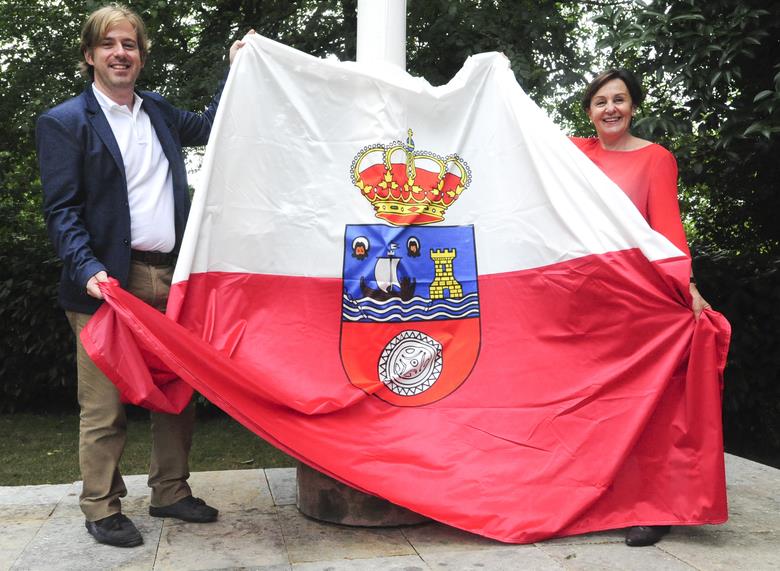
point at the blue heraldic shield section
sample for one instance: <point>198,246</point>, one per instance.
<point>410,331</point>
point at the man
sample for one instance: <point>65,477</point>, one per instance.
<point>116,202</point>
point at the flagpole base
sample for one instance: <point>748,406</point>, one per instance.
<point>323,498</point>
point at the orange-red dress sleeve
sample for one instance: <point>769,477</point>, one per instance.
<point>663,208</point>
<point>648,176</point>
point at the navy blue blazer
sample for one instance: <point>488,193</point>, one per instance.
<point>85,188</point>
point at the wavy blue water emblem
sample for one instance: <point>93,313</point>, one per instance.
<point>409,273</point>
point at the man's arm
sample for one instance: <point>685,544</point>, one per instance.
<point>60,160</point>
<point>194,128</point>
<point>235,46</point>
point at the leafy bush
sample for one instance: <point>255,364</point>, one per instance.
<point>37,368</point>
<point>746,289</point>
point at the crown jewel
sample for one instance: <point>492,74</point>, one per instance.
<point>417,190</point>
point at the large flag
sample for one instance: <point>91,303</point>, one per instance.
<point>431,295</point>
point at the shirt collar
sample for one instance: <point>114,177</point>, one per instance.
<point>108,104</point>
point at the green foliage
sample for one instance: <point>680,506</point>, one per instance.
<point>535,36</point>
<point>36,344</point>
<point>746,289</point>
<point>36,361</point>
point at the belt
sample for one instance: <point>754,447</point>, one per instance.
<point>153,258</point>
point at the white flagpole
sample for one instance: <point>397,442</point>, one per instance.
<point>381,31</point>
<point>381,37</point>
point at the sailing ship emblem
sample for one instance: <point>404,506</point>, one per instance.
<point>386,277</point>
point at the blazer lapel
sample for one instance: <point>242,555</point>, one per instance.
<point>163,130</point>
<point>100,124</point>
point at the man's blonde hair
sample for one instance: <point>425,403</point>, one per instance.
<point>100,22</point>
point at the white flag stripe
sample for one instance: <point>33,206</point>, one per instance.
<point>277,183</point>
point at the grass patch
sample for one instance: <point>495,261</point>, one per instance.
<point>43,448</point>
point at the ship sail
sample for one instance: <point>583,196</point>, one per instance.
<point>385,273</point>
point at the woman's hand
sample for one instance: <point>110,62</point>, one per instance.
<point>699,303</point>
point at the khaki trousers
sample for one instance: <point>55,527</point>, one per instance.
<point>103,425</point>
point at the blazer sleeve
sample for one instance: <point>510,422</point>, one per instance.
<point>193,128</point>
<point>663,208</point>
<point>60,160</point>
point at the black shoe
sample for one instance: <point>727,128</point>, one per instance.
<point>189,509</point>
<point>644,535</point>
<point>116,530</point>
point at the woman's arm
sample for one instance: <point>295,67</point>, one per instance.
<point>663,208</point>
<point>663,215</point>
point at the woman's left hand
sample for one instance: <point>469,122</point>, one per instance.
<point>699,303</point>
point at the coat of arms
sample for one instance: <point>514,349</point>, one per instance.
<point>410,330</point>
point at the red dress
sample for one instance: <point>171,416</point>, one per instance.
<point>649,177</point>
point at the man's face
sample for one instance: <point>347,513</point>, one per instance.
<point>116,59</point>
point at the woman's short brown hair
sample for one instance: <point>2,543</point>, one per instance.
<point>101,21</point>
<point>632,84</point>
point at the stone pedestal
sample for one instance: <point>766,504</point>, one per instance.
<point>323,498</point>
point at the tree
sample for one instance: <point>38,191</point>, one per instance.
<point>539,38</point>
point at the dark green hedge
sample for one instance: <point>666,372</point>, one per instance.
<point>746,289</point>
<point>37,368</point>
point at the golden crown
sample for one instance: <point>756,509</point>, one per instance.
<point>418,190</point>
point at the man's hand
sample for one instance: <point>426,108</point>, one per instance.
<point>237,45</point>
<point>92,284</point>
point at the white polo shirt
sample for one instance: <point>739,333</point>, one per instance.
<point>149,182</point>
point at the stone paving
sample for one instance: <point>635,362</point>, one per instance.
<point>261,529</point>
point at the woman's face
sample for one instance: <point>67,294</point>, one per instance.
<point>611,109</point>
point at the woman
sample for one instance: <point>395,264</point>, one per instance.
<point>647,173</point>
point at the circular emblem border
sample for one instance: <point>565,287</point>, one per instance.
<point>392,353</point>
